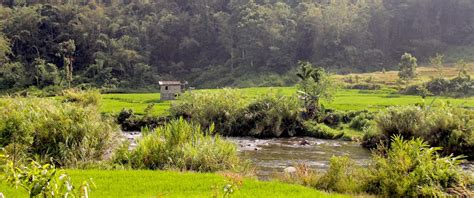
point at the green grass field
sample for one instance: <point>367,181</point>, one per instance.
<point>136,183</point>
<point>345,99</point>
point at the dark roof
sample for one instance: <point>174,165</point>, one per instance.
<point>169,83</point>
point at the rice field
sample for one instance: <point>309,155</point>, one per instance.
<point>143,183</point>
<point>345,99</point>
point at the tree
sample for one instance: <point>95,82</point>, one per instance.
<point>46,73</point>
<point>438,62</point>
<point>4,48</point>
<point>315,84</point>
<point>67,49</point>
<point>407,65</point>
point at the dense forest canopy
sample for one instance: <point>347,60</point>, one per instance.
<point>212,43</point>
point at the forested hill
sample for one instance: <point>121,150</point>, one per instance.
<point>134,43</point>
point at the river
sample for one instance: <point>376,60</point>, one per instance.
<point>271,156</point>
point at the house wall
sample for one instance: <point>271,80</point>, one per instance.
<point>169,92</point>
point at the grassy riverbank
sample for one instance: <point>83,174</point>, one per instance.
<point>140,183</point>
<point>345,99</point>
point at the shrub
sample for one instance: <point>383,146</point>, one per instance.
<point>313,129</point>
<point>334,118</point>
<point>343,175</point>
<point>181,145</point>
<point>67,133</point>
<point>268,116</point>
<point>361,121</point>
<point>413,169</point>
<point>365,86</point>
<point>460,86</point>
<point>408,64</point>
<point>438,86</point>
<point>405,169</point>
<point>132,122</point>
<point>447,127</point>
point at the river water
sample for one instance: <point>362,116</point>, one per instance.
<point>271,156</point>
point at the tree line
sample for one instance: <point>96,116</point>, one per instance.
<point>211,43</point>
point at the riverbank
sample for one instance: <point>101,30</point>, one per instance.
<point>141,183</point>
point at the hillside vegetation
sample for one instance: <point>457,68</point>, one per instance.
<point>134,43</point>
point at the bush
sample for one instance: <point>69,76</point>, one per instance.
<point>361,121</point>
<point>365,86</point>
<point>268,116</point>
<point>132,122</point>
<point>413,169</point>
<point>334,118</point>
<point>181,145</point>
<point>343,175</point>
<point>438,86</point>
<point>450,128</point>
<point>417,89</point>
<point>67,133</point>
<point>405,169</point>
<point>313,129</point>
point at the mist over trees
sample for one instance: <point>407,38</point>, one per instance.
<point>211,43</point>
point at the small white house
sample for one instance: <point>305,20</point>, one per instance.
<point>169,90</point>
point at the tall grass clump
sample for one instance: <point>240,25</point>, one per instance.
<point>67,133</point>
<point>207,108</point>
<point>407,168</point>
<point>447,127</point>
<point>84,98</point>
<point>411,168</point>
<point>269,116</point>
<point>320,130</point>
<point>181,145</point>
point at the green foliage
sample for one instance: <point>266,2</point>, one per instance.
<point>407,168</point>
<point>269,116</point>
<point>361,121</point>
<point>90,98</point>
<point>461,86</point>
<point>447,127</point>
<point>410,168</point>
<point>438,61</point>
<point>319,130</point>
<point>44,181</point>
<point>5,48</point>
<point>46,74</point>
<point>218,108</point>
<point>343,175</point>
<point>67,133</point>
<point>181,145</point>
<point>315,85</point>
<point>129,121</point>
<point>407,65</point>
<point>12,75</point>
<point>365,86</point>
<point>214,44</point>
